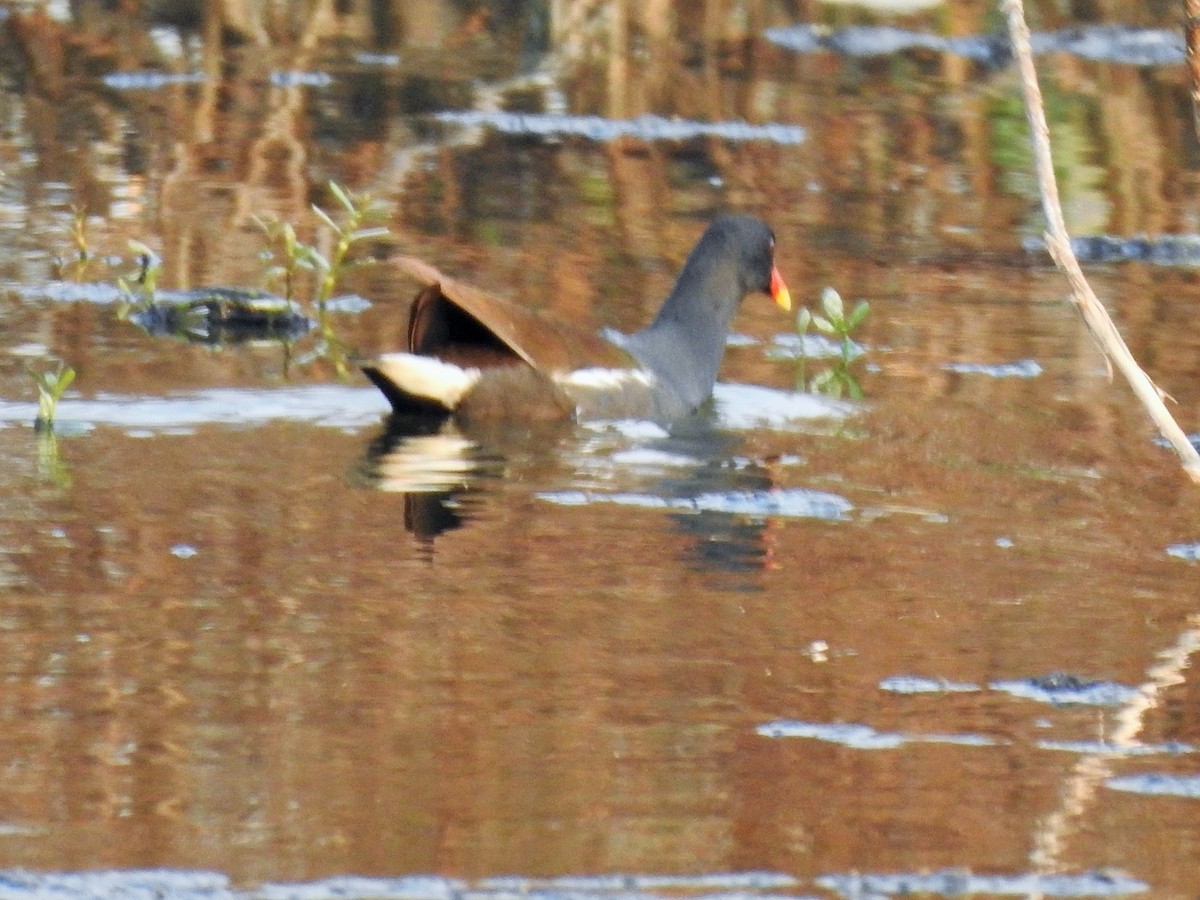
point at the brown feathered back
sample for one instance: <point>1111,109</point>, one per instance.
<point>450,320</point>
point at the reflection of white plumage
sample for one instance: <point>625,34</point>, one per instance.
<point>426,462</point>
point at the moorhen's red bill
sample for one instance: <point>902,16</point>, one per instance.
<point>480,357</point>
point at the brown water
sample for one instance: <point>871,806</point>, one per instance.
<point>231,644</point>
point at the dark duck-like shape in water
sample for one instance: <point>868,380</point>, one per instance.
<point>481,358</point>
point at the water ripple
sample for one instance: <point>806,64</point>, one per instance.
<point>598,128</point>
<point>334,406</point>
<point>1104,748</point>
<point>1159,784</point>
<point>1022,368</point>
<point>962,883</point>
<point>864,737</point>
<point>746,407</point>
<point>788,503</point>
<point>1110,43</point>
<point>166,884</point>
<point>914,684</point>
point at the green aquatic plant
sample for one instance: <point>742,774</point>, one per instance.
<point>51,386</point>
<point>75,268</point>
<point>294,255</point>
<point>353,226</point>
<point>73,264</point>
<point>358,212</point>
<point>139,291</point>
<point>837,380</point>
<point>835,322</point>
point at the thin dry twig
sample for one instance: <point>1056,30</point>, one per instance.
<point>1059,243</point>
<point>1191,33</point>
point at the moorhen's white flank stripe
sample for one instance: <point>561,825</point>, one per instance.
<point>428,377</point>
<point>606,378</point>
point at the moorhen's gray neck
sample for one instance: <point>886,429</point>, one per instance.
<point>685,343</point>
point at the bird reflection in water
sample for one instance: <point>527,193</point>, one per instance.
<point>431,463</point>
<point>437,464</point>
<point>443,470</point>
<point>729,544</point>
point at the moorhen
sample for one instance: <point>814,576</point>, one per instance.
<point>485,359</point>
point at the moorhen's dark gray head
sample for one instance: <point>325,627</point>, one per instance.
<point>685,343</point>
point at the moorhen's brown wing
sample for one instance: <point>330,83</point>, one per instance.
<point>460,323</point>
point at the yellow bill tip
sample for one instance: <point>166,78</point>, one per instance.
<point>779,291</point>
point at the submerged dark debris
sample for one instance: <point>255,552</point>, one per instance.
<point>222,315</point>
<point>1060,688</point>
<point>1161,250</point>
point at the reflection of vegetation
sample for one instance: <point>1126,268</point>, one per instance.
<point>354,226</point>
<point>50,465</point>
<point>329,346</point>
<point>1078,157</point>
<point>837,380</point>
<point>51,386</point>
